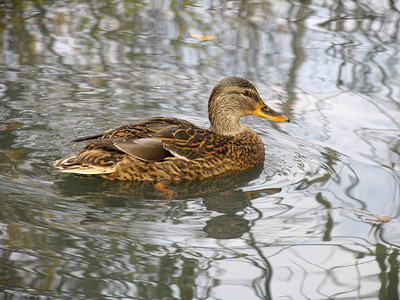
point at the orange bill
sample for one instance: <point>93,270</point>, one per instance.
<point>266,112</point>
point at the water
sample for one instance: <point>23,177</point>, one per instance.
<point>297,227</point>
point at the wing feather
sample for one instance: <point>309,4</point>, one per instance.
<point>159,138</point>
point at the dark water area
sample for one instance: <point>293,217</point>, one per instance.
<point>318,220</point>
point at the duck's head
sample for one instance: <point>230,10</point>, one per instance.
<point>233,98</point>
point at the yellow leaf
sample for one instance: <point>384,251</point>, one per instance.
<point>366,215</point>
<point>201,37</point>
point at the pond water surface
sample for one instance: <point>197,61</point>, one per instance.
<point>310,223</point>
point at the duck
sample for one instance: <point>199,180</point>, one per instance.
<point>173,149</point>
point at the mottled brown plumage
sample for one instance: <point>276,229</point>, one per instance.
<point>173,149</point>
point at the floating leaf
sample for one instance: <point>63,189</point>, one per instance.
<point>201,37</point>
<point>366,215</point>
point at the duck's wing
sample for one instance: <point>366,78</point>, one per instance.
<point>158,139</point>
<point>191,142</point>
<point>146,149</point>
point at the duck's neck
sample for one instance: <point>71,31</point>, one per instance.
<point>226,124</point>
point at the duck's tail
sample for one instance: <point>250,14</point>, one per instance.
<point>72,165</point>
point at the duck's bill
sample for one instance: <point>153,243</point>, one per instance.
<point>266,112</point>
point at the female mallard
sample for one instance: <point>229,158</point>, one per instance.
<point>175,149</point>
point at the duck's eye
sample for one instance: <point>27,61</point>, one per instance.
<point>246,93</point>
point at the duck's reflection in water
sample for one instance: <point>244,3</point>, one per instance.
<point>221,194</point>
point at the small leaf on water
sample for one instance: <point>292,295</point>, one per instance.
<point>366,215</point>
<point>201,37</point>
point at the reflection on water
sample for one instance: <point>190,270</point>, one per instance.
<point>69,68</point>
